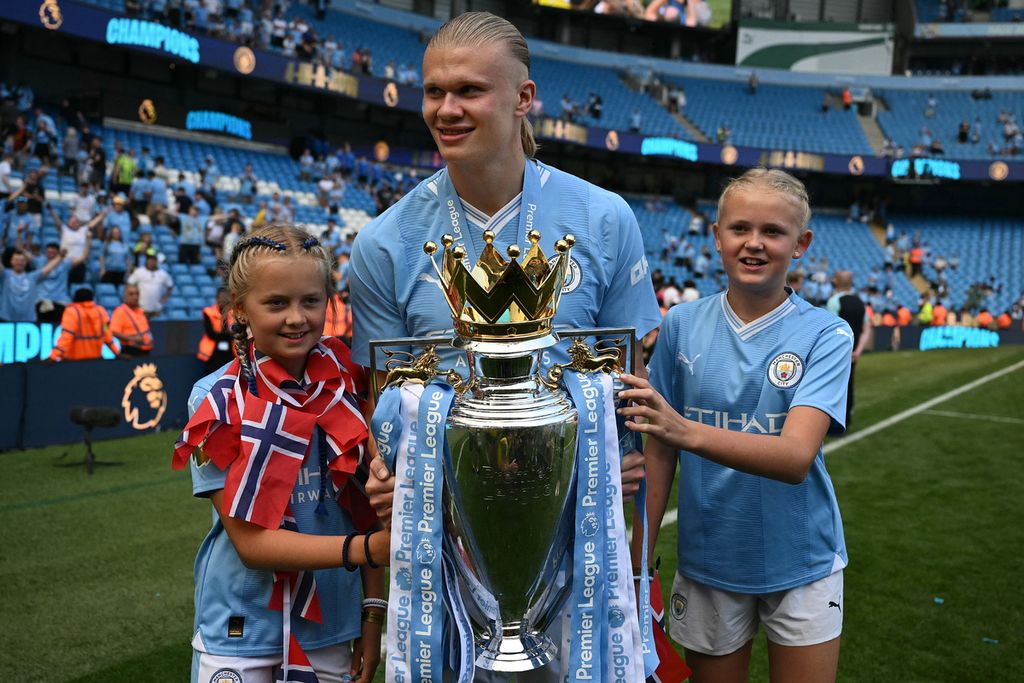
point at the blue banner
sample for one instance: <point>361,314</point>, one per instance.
<point>148,394</point>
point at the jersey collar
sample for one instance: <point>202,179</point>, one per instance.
<point>503,217</point>
<point>747,331</point>
<point>505,214</point>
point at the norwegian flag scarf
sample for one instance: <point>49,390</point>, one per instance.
<point>265,437</point>
<point>262,439</point>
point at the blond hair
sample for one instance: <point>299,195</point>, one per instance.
<point>483,28</point>
<point>773,180</point>
<point>272,239</point>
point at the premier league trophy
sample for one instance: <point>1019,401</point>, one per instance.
<point>507,502</point>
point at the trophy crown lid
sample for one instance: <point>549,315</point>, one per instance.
<point>502,300</point>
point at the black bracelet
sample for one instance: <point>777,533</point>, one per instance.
<point>366,551</point>
<point>344,553</point>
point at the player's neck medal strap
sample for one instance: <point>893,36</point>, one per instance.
<point>454,221</point>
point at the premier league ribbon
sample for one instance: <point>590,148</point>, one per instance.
<point>408,425</point>
<point>630,441</point>
<point>427,611</point>
<point>605,640</point>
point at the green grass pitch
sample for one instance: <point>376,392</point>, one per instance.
<point>96,572</point>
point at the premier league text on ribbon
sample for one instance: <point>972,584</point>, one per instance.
<point>425,598</point>
<point>589,501</point>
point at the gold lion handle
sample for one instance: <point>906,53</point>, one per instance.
<point>418,370</point>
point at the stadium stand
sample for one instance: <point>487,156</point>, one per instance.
<point>906,116</point>
<point>988,250</point>
<point>775,117</point>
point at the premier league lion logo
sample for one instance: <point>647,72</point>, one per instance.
<point>425,553</point>
<point>144,400</point>
<point>589,525</point>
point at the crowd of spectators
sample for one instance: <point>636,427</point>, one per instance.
<point>1009,140</point>
<point>106,228</point>
<point>265,26</point>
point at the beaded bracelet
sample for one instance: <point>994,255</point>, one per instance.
<point>344,553</point>
<point>375,602</point>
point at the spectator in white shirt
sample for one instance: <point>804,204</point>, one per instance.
<point>83,205</point>
<point>155,285</point>
<point>6,166</point>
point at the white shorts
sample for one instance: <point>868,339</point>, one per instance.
<point>717,622</point>
<point>330,664</point>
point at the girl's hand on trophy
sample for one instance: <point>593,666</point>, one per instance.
<point>380,487</point>
<point>649,413</point>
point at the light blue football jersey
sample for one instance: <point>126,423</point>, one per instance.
<point>230,594</point>
<point>741,532</point>
<point>395,291</point>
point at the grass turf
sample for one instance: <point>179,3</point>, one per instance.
<point>96,572</point>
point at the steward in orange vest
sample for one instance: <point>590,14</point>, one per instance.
<point>984,319</point>
<point>215,348</point>
<point>85,328</point>
<point>130,325</point>
<point>339,319</point>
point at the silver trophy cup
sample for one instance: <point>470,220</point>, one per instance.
<point>511,439</point>
<point>512,442</point>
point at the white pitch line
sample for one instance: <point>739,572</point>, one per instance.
<point>974,416</point>
<point>671,516</point>
<point>919,408</point>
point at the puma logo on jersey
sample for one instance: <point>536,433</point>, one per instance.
<point>686,361</point>
<point>638,270</point>
<point>835,604</point>
<point>427,277</point>
<point>843,332</point>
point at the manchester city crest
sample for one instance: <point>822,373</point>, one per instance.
<point>678,606</point>
<point>785,370</point>
<point>225,676</point>
<point>573,274</point>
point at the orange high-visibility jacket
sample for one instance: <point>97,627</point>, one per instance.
<point>85,328</point>
<point>130,321</point>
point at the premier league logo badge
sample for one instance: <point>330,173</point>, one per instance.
<point>589,525</point>
<point>425,552</point>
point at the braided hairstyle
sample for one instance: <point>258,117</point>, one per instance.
<point>272,239</point>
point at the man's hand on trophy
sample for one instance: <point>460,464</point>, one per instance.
<point>380,487</point>
<point>632,473</point>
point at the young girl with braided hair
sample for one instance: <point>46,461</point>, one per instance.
<point>273,437</point>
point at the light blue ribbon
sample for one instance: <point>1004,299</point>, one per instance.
<point>589,599</point>
<point>386,425</point>
<point>629,441</point>
<point>428,592</point>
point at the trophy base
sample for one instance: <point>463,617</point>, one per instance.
<point>515,652</point>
